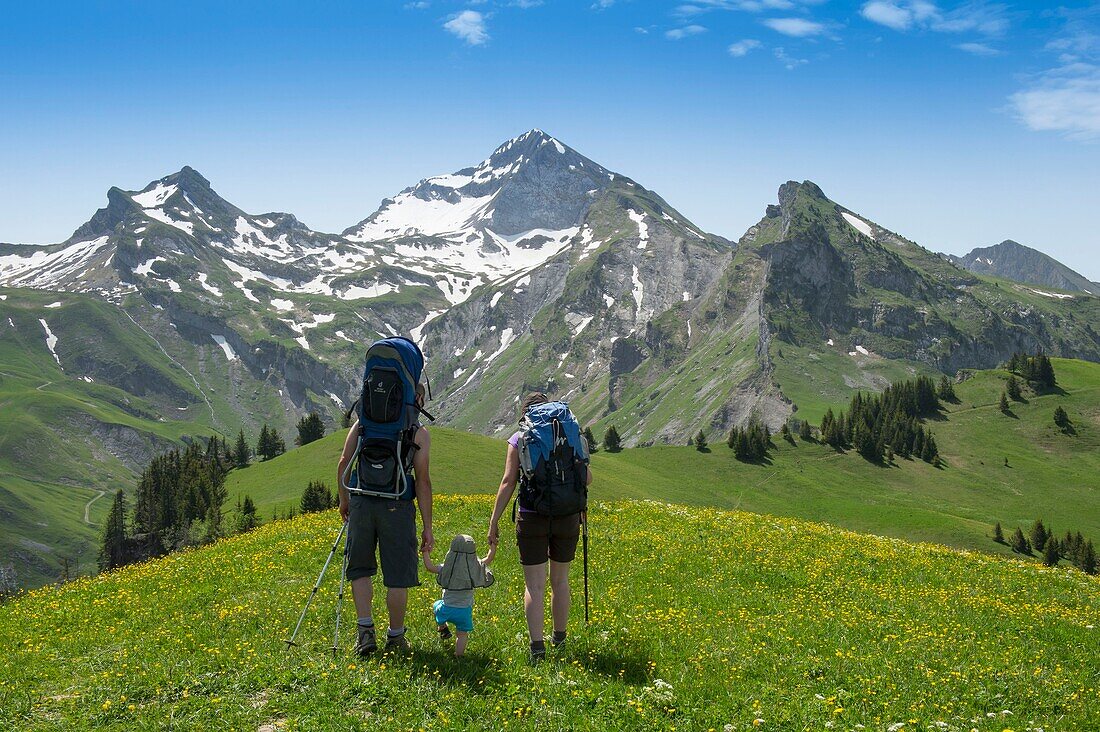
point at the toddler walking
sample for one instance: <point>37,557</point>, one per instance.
<point>459,575</point>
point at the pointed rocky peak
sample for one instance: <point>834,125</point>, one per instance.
<point>184,200</point>
<point>120,207</point>
<point>530,182</point>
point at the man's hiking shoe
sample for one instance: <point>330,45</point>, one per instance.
<point>558,640</point>
<point>367,643</point>
<point>444,632</point>
<point>398,644</point>
<point>538,651</point>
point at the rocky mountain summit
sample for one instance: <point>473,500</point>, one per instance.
<point>1014,261</point>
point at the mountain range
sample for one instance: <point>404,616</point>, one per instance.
<point>172,313</point>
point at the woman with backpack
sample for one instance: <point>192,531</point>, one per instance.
<point>544,534</point>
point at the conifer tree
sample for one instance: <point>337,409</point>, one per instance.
<point>700,441</point>
<point>1003,406</point>
<point>1050,553</point>
<point>611,440</point>
<point>1038,535</point>
<point>316,497</point>
<point>946,391</point>
<point>998,533</point>
<point>804,431</point>
<point>263,443</point>
<point>1061,418</point>
<point>310,429</point>
<point>1012,388</point>
<point>590,440</point>
<point>1044,372</point>
<point>1088,559</point>
<point>278,445</point>
<point>785,433</point>
<point>1019,542</point>
<point>241,452</point>
<point>112,553</point>
<point>246,516</point>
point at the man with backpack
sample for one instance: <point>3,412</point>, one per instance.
<point>383,469</point>
<point>548,459</point>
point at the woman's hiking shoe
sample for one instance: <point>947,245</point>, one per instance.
<point>558,640</point>
<point>367,643</point>
<point>398,644</point>
<point>538,651</point>
<point>444,632</point>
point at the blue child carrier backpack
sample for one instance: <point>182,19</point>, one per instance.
<point>388,419</point>
<point>553,459</point>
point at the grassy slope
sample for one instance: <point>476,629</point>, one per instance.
<point>53,461</point>
<point>811,625</point>
<point>46,455</point>
<point>1050,475</point>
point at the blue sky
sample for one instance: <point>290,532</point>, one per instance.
<point>958,124</point>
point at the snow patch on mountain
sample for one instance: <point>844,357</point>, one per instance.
<point>230,354</point>
<point>212,289</point>
<point>185,226</point>
<point>858,224</point>
<point>156,196</point>
<point>577,322</point>
<point>505,341</point>
<point>146,268</point>
<point>51,340</point>
<point>1057,295</point>
<point>48,269</point>
<point>643,228</point>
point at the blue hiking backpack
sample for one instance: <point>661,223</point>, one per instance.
<point>553,459</point>
<point>388,420</point>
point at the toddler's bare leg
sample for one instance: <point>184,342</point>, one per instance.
<point>460,642</point>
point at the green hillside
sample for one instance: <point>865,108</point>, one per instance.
<point>702,620</point>
<point>1050,475</point>
<point>83,420</point>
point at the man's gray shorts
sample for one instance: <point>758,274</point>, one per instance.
<point>390,526</point>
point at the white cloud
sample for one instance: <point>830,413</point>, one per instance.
<point>602,4</point>
<point>901,15</point>
<point>742,48</point>
<point>677,34</point>
<point>796,27</point>
<point>526,3</point>
<point>469,25</point>
<point>790,62</point>
<point>1065,100</point>
<point>419,5</point>
<point>978,49</point>
<point>888,14</point>
<point>696,7</point>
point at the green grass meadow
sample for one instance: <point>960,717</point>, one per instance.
<point>1050,474</point>
<point>702,620</point>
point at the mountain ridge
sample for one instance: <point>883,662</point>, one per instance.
<point>1014,261</point>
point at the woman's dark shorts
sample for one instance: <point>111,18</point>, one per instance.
<point>540,537</point>
<point>389,526</point>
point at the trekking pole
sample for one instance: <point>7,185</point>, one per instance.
<point>340,602</point>
<point>316,586</point>
<point>584,543</point>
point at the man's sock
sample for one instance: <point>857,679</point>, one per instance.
<point>394,632</point>
<point>559,637</point>
<point>366,622</point>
